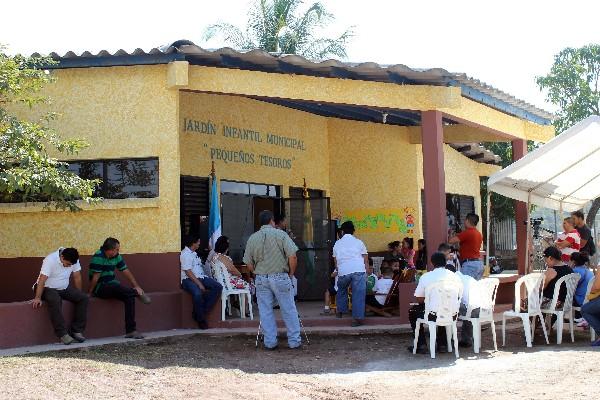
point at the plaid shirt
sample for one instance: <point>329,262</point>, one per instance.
<point>105,266</point>
<point>268,250</point>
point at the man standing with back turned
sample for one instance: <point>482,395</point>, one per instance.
<point>271,255</point>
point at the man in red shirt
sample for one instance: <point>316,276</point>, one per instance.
<point>470,241</point>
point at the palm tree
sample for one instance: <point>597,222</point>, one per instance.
<point>278,26</point>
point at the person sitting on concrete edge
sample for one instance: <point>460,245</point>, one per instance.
<point>439,273</point>
<point>382,287</point>
<point>53,286</point>
<point>271,255</point>
<point>104,284</point>
<point>205,291</point>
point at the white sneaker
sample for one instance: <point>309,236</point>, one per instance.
<point>583,324</point>
<point>578,320</point>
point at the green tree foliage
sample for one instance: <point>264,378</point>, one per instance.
<point>28,172</point>
<point>280,26</point>
<point>573,85</point>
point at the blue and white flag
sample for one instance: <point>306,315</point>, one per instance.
<point>214,216</point>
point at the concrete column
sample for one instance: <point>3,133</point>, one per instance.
<point>519,149</point>
<point>432,135</point>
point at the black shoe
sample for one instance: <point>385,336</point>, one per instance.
<point>78,337</point>
<point>202,325</point>
<point>339,315</point>
<point>357,322</point>
<point>464,344</point>
<point>420,349</point>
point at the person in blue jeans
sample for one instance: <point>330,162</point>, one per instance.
<point>205,291</point>
<point>591,310</point>
<point>271,255</point>
<point>352,261</point>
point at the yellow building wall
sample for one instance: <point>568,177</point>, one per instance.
<point>373,180</point>
<point>461,177</point>
<point>123,112</point>
<point>206,123</point>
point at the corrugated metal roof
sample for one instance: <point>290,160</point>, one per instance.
<point>259,60</point>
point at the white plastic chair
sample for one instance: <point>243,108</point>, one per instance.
<point>587,293</point>
<point>570,281</point>
<point>533,284</point>
<point>487,289</point>
<point>222,276</point>
<point>448,293</point>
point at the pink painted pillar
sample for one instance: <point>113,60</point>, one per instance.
<point>436,229</point>
<point>519,149</point>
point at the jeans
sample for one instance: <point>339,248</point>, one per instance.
<point>473,269</point>
<point>418,311</point>
<point>466,332</point>
<point>591,313</point>
<point>358,280</point>
<point>278,287</point>
<point>54,298</point>
<point>125,294</point>
<point>203,300</point>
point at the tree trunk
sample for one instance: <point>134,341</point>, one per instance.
<point>592,213</point>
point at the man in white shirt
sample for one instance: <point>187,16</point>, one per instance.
<point>205,291</point>
<point>351,260</point>
<point>53,286</point>
<point>382,287</point>
<point>439,273</point>
<point>471,295</point>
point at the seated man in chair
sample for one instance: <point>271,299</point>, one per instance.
<point>439,273</point>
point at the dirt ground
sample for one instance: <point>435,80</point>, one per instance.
<point>331,367</point>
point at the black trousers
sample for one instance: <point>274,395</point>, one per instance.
<point>372,301</point>
<point>125,294</point>
<point>54,298</point>
<point>418,311</point>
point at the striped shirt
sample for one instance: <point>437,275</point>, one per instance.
<point>106,268</point>
<point>574,241</point>
<point>268,251</point>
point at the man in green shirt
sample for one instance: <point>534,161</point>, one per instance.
<point>271,255</point>
<point>104,284</point>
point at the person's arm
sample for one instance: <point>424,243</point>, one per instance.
<point>37,300</point>
<point>197,281</point>
<point>229,265</point>
<point>94,282</point>
<point>366,260</point>
<point>77,280</point>
<point>563,244</point>
<point>454,240</point>
<point>596,285</point>
<point>548,276</point>
<point>293,263</point>
<point>133,282</point>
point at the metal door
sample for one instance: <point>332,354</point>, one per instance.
<point>309,227</point>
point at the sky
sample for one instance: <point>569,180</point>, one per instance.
<point>503,43</point>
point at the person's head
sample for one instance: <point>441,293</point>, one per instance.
<point>568,224</point>
<point>471,220</point>
<point>580,258</point>
<point>348,228</point>
<point>192,242</point>
<point>407,243</point>
<point>578,218</point>
<point>281,221</point>
<point>369,269</point>
<point>421,244</point>
<point>438,259</point>
<point>387,271</point>
<point>446,249</point>
<point>69,256</point>
<point>266,217</point>
<point>394,246</point>
<point>222,245</point>
<point>552,256</point>
<point>111,247</point>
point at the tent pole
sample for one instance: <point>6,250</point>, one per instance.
<point>489,223</point>
<point>527,242</point>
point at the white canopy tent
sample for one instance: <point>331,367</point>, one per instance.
<point>563,174</point>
